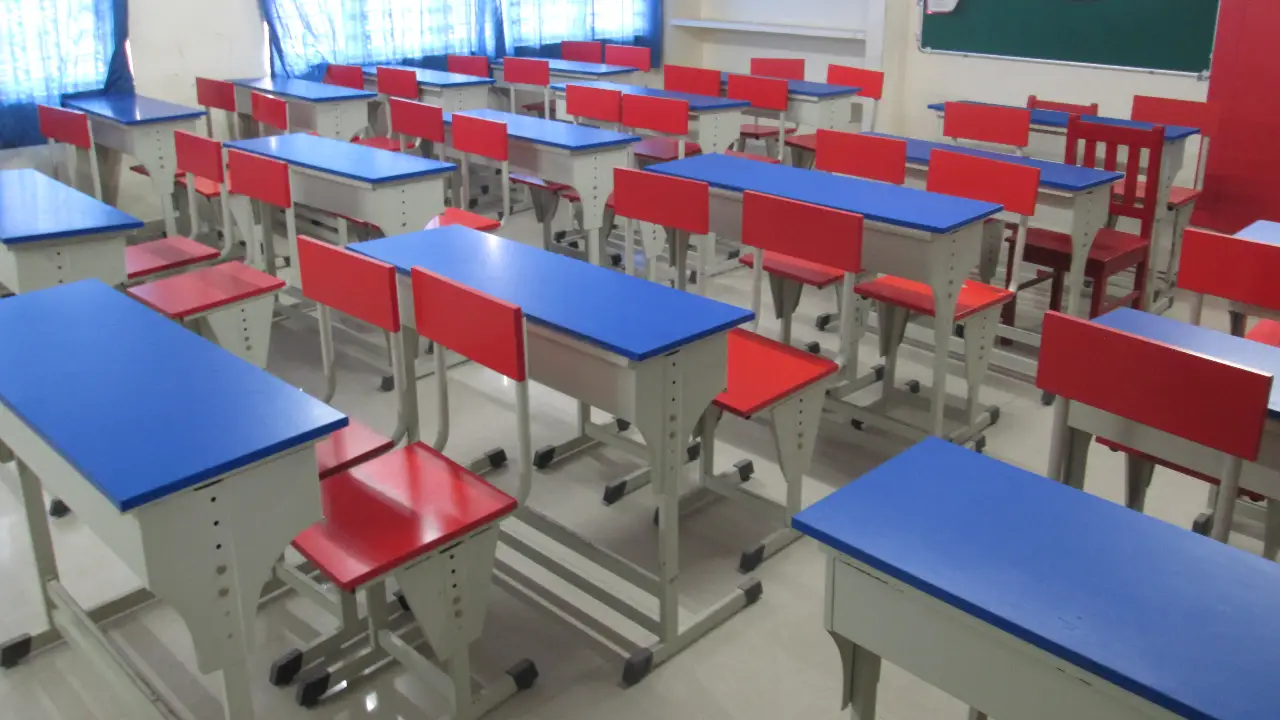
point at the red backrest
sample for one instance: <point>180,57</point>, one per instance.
<point>1167,111</point>
<point>1014,186</point>
<point>809,232</point>
<point>664,115</point>
<point>1230,267</point>
<point>359,286</point>
<point>698,81</point>
<point>762,92</point>
<point>260,178</point>
<point>861,155</point>
<point>589,51</point>
<point>349,76</point>
<point>1085,139</point>
<point>479,326</point>
<point>268,110</point>
<point>987,123</point>
<point>1198,398</point>
<point>665,200</point>
<point>785,68</point>
<point>594,103</point>
<point>487,138</point>
<point>65,126</point>
<point>526,71</point>
<point>1035,103</point>
<point>198,155</point>
<point>869,82</point>
<point>477,65</point>
<point>218,94</point>
<point>398,82</point>
<point>630,56</point>
<point>417,119</point>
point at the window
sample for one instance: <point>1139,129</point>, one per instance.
<point>543,22</point>
<point>52,47</point>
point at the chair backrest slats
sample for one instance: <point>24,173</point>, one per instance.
<point>1129,202</point>
<point>869,82</point>
<point>631,56</point>
<point>260,178</point>
<point>359,286</point>
<point>810,232</point>
<point>65,126</point>
<point>417,119</point>
<point>398,83</point>
<point>861,155</point>
<point>987,123</point>
<point>664,200</point>
<point>200,156</point>
<point>476,325</point>
<point>664,115</point>
<point>1016,187</point>
<point>589,51</point>
<point>480,136</point>
<point>785,68</point>
<point>693,80</point>
<point>526,71</point>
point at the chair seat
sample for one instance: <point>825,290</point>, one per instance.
<point>208,288</point>
<point>752,156</point>
<point>538,108</point>
<point>1053,249</point>
<point>661,149</point>
<point>535,181</point>
<point>1115,446</point>
<point>165,254</point>
<point>204,187</point>
<point>1178,196</point>
<point>382,143</point>
<point>918,297</point>
<point>384,513</point>
<point>1266,332</point>
<point>465,218</point>
<point>348,447</point>
<point>804,142</point>
<point>792,268</point>
<point>763,372</point>
<point>760,132</point>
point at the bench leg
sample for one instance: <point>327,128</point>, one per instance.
<point>979,334</point>
<point>1137,480</point>
<point>893,327</point>
<point>861,678</point>
<point>786,298</point>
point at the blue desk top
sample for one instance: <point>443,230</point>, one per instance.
<point>1262,231</point>
<point>1184,622</point>
<point>626,315</point>
<point>881,202</point>
<point>132,109</point>
<point>808,89</point>
<point>158,409</point>
<point>35,207</point>
<point>308,90</point>
<point>573,67</point>
<point>1060,176</point>
<point>344,159</point>
<point>1055,118</point>
<point>697,103</point>
<point>552,132</point>
<point>433,78</point>
<point>1202,340</point>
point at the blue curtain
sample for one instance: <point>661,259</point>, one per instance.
<point>536,27</point>
<point>52,48</point>
<point>306,35</point>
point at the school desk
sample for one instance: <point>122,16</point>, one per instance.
<point>638,350</point>
<point>577,155</point>
<point>1261,231</point>
<point>194,467</point>
<point>1026,599</point>
<point>449,91</point>
<point>52,234</point>
<point>814,104</point>
<point>142,128</point>
<point>330,110</point>
<point>918,235</point>
<point>570,70</point>
<point>715,122</point>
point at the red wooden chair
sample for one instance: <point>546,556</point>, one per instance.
<point>994,124</point>
<point>412,124</point>
<point>1113,251</point>
<point>266,183</point>
<point>476,65</point>
<point>1183,409</point>
<point>529,74</point>
<point>487,139</point>
<point>1035,103</point>
<point>269,112</point>
<point>60,125</point>
<point>587,51</point>
<point>698,81</point>
<point>630,56</point>
<point>670,212</point>
<point>348,76</point>
<point>784,68</point>
<point>765,95</point>
<point>416,516</point>
<point>871,86</point>
<point>666,117</point>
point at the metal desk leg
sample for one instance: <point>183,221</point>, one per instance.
<point>861,678</point>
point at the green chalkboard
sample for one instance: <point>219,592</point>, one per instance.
<point>1150,34</point>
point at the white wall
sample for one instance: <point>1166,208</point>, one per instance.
<point>174,41</point>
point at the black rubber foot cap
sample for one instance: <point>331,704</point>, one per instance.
<point>15,651</point>
<point>286,668</point>
<point>58,509</point>
<point>813,347</point>
<point>752,588</point>
<point>1202,525</point>
<point>615,492</point>
<point>637,667</point>
<point>622,425</point>
<point>960,331</point>
<point>484,189</point>
<point>733,254</point>
<point>994,412</point>
<point>573,244</point>
<point>745,469</point>
<point>473,203</point>
<point>694,451</point>
<point>857,424</point>
<point>980,445</point>
<point>560,235</point>
<point>823,321</point>
<point>879,371</point>
<point>693,276</point>
<point>1047,398</point>
<point>543,456</point>
<point>751,559</point>
<point>524,674</point>
<point>615,259</point>
<point>497,457</point>
<point>313,688</point>
<point>913,387</point>
<point>388,383</point>
<point>402,601</point>
<point>657,513</point>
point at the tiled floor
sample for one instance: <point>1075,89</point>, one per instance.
<point>772,661</point>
